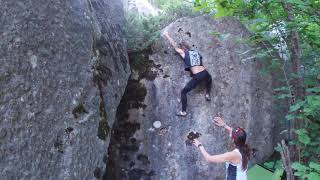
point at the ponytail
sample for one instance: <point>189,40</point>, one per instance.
<point>246,154</point>
<point>239,137</point>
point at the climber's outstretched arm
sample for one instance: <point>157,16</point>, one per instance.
<point>220,158</point>
<point>178,50</point>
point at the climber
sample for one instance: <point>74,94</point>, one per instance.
<point>236,160</point>
<point>193,64</point>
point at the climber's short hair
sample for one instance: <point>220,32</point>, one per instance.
<point>184,45</point>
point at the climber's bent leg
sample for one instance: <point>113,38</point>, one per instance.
<point>208,80</point>
<point>190,85</point>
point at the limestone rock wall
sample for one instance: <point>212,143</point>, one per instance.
<point>240,94</point>
<point>64,68</point>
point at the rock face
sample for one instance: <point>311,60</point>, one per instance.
<point>239,94</point>
<point>64,68</point>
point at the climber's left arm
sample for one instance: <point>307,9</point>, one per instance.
<point>174,45</point>
<point>226,157</point>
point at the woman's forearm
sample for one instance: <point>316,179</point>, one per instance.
<point>205,154</point>
<point>228,128</point>
<point>171,41</point>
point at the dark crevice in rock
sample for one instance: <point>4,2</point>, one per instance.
<point>136,174</point>
<point>133,97</point>
<point>3,133</point>
<point>143,158</point>
<point>103,128</point>
<point>121,159</point>
<point>78,110</point>
<point>104,46</point>
<point>58,144</point>
<point>101,73</point>
<point>166,76</point>
<point>122,142</point>
<point>68,130</point>
<point>101,76</point>
<point>189,34</point>
<point>97,173</point>
<point>140,62</point>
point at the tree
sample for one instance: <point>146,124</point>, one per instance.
<point>292,28</point>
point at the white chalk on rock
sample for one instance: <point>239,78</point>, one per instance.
<point>157,124</point>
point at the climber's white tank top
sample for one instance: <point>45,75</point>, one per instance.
<point>234,171</point>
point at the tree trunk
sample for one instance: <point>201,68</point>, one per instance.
<point>298,89</point>
<point>285,156</point>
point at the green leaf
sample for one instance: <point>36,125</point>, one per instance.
<point>214,33</point>
<point>278,148</point>
<point>222,37</point>
<point>310,81</point>
<point>313,101</point>
<point>283,88</point>
<point>307,110</point>
<point>269,165</point>
<point>299,167</point>
<point>299,173</point>
<point>313,176</point>
<point>290,116</point>
<point>315,166</point>
<point>303,136</point>
<point>296,106</point>
<point>284,96</point>
<point>314,90</point>
<point>304,139</point>
<point>279,164</point>
<point>305,154</point>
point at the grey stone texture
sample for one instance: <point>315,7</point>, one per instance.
<point>64,68</point>
<point>240,94</point>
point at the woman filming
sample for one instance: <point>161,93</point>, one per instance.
<point>236,160</point>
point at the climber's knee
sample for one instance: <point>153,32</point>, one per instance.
<point>185,90</point>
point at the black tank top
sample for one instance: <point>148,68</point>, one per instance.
<point>192,58</point>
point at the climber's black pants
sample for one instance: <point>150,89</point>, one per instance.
<point>196,79</point>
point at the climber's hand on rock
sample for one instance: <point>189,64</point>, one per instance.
<point>165,32</point>
<point>219,121</point>
<point>196,142</point>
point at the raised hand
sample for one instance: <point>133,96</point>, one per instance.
<point>196,142</point>
<point>219,121</point>
<point>165,33</point>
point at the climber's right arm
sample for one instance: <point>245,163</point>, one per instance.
<point>219,158</point>
<point>174,45</point>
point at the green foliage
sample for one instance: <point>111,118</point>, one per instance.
<point>276,166</point>
<point>143,30</point>
<point>166,5</point>
<point>273,165</point>
<point>269,23</point>
<point>310,172</point>
<point>308,139</point>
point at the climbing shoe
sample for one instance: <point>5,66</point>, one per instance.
<point>181,114</point>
